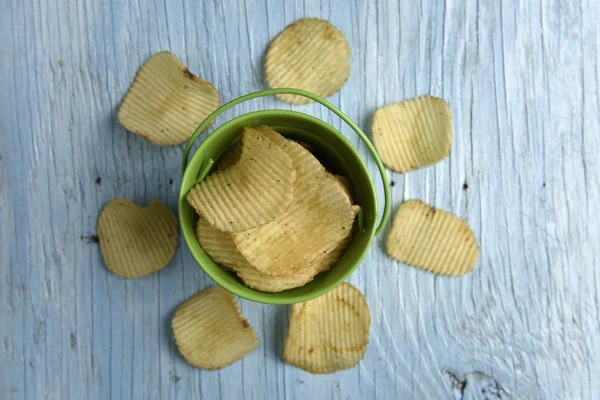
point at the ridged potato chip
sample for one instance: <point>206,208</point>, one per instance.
<point>432,240</point>
<point>211,332</point>
<point>255,279</point>
<point>346,184</point>
<point>329,333</point>
<point>231,158</point>
<point>221,248</point>
<point>320,216</point>
<point>219,245</point>
<point>166,102</point>
<point>413,133</point>
<point>310,54</point>
<point>332,257</point>
<point>304,144</point>
<point>254,191</point>
<point>136,241</point>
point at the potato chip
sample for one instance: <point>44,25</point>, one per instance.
<point>329,333</point>
<point>310,54</point>
<point>332,257</point>
<point>211,332</point>
<point>231,158</point>
<point>432,240</point>
<point>317,221</point>
<point>278,139</point>
<point>166,102</point>
<point>218,245</point>
<point>304,144</point>
<point>346,184</point>
<point>136,241</point>
<point>254,191</point>
<point>413,133</point>
<point>256,280</point>
<point>221,248</point>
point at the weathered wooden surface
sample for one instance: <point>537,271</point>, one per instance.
<point>523,84</point>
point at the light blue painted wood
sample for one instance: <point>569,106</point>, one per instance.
<point>522,80</point>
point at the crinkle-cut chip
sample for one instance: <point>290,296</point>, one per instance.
<point>254,191</point>
<point>304,144</point>
<point>166,102</point>
<point>230,158</point>
<point>329,333</point>
<point>332,257</point>
<point>221,248</point>
<point>136,241</point>
<point>346,184</point>
<point>310,54</point>
<point>233,156</point>
<point>210,331</point>
<point>413,133</point>
<point>432,240</point>
<point>299,152</point>
<point>256,280</point>
<point>218,245</point>
<point>316,222</point>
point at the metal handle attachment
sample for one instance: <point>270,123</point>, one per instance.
<point>339,113</point>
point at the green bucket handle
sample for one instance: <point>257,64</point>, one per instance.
<point>299,92</point>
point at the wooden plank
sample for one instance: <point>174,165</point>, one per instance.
<point>522,80</point>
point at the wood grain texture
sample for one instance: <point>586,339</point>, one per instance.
<point>523,82</point>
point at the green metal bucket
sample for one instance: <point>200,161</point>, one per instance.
<point>330,146</point>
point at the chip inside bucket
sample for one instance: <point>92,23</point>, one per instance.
<point>254,191</point>
<point>318,220</point>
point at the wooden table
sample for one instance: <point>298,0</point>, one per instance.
<point>523,84</point>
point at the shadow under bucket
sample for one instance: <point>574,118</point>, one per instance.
<point>330,146</point>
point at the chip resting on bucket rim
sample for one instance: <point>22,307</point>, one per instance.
<point>319,218</point>
<point>431,239</point>
<point>413,133</point>
<point>310,54</point>
<point>210,331</point>
<point>329,333</point>
<point>166,102</point>
<point>254,191</point>
<point>136,241</point>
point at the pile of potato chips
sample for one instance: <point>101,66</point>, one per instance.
<point>271,213</point>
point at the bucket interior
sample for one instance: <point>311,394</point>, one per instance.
<point>333,150</point>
